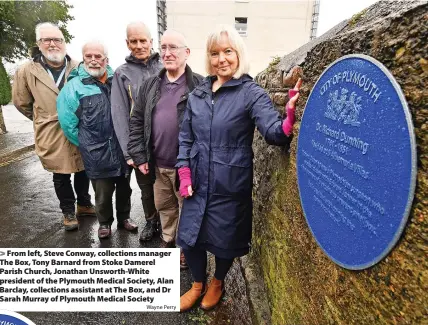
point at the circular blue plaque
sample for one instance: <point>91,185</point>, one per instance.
<point>356,161</point>
<point>11,318</point>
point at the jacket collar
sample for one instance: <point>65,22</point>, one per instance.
<point>40,73</point>
<point>189,77</point>
<point>206,85</point>
<point>152,58</point>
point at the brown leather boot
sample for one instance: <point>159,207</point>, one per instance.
<point>214,293</point>
<point>88,210</point>
<point>70,221</point>
<point>189,299</point>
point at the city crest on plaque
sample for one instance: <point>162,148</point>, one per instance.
<point>356,161</point>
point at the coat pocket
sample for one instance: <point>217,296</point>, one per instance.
<point>233,172</point>
<point>194,162</point>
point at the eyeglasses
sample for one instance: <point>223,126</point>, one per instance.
<point>47,41</point>
<point>227,53</point>
<point>172,48</point>
<point>94,57</point>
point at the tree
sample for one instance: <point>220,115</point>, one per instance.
<point>18,20</point>
<point>5,89</point>
<point>5,94</point>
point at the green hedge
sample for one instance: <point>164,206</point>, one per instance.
<point>5,89</point>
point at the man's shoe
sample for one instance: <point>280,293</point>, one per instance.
<point>86,210</point>
<point>214,293</point>
<point>183,263</point>
<point>70,221</point>
<point>165,244</point>
<point>149,230</point>
<point>191,297</point>
<point>127,224</point>
<point>104,231</point>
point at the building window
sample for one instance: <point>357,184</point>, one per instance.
<point>241,25</point>
<point>161,13</point>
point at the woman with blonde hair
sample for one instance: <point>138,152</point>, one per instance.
<point>215,162</point>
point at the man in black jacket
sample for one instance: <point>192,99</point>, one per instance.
<point>140,65</point>
<point>154,128</point>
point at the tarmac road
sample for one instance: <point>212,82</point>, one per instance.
<point>30,217</point>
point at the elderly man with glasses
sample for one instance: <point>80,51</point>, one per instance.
<point>154,127</point>
<point>84,112</point>
<point>35,90</point>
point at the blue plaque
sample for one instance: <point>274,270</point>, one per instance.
<point>356,161</point>
<point>12,318</point>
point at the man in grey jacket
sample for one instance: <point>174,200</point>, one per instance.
<point>140,65</point>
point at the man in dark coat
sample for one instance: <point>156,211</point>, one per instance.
<point>140,65</point>
<point>84,113</point>
<point>155,122</point>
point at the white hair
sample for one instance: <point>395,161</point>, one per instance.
<point>97,73</point>
<point>237,44</point>
<point>138,24</point>
<point>96,42</point>
<point>44,25</point>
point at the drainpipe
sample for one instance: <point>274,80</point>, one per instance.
<point>315,16</point>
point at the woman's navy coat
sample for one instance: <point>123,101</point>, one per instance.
<point>216,143</point>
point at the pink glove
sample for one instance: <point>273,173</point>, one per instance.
<point>185,180</point>
<point>287,124</point>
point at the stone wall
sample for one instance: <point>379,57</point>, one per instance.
<point>303,285</point>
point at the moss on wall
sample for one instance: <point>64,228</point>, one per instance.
<point>304,286</point>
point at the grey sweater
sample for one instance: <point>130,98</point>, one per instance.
<point>126,82</point>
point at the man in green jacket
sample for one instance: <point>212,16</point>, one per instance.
<point>84,112</point>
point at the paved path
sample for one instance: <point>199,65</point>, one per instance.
<point>30,217</point>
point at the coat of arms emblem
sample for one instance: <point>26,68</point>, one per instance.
<point>344,108</point>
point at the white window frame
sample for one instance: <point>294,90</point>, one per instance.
<point>242,28</point>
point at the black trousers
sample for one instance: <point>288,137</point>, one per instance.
<point>65,194</point>
<point>145,184</point>
<point>197,261</point>
<point>104,189</point>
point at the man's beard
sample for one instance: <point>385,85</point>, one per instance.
<point>54,56</point>
<point>95,73</point>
